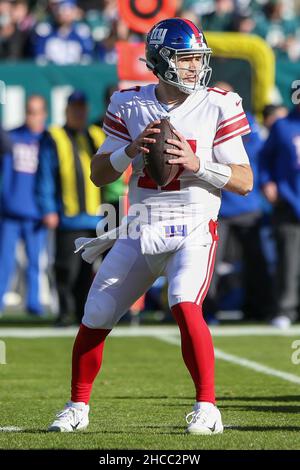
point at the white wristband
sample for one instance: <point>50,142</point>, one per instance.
<point>119,159</point>
<point>214,173</point>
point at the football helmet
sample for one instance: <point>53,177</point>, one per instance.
<point>171,39</point>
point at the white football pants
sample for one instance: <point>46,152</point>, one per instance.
<point>126,274</point>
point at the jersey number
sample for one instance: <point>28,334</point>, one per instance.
<point>146,182</point>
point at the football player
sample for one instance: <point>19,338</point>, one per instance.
<point>178,236</point>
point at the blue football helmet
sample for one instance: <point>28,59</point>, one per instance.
<point>166,42</point>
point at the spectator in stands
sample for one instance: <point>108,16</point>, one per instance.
<point>69,202</point>
<point>280,178</point>
<point>195,7</point>
<point>281,33</point>
<point>243,22</point>
<point>21,218</point>
<point>221,18</point>
<point>62,40</point>
<point>13,33</point>
<point>22,16</point>
<point>106,49</point>
<point>100,20</point>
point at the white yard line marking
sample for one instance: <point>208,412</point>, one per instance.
<point>170,335</point>
<point>257,367</point>
<point>128,331</point>
<point>10,429</point>
<point>241,361</point>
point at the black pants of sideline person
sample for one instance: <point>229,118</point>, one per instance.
<point>73,277</point>
<point>256,281</point>
<point>287,282</point>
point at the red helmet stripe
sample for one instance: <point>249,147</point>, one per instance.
<point>194,29</point>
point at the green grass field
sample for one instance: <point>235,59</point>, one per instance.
<point>143,393</point>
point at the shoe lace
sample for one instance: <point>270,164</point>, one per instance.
<point>199,417</point>
<point>70,414</point>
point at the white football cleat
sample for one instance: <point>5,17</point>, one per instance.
<point>205,419</point>
<point>74,417</point>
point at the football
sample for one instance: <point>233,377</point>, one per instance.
<point>156,161</point>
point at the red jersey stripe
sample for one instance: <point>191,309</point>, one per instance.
<point>222,92</point>
<point>236,134</point>
<point>116,117</point>
<point>115,125</point>
<point>109,131</point>
<point>231,119</point>
<point>231,127</point>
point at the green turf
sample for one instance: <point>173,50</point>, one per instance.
<point>143,393</point>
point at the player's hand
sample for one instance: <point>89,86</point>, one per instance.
<point>186,156</point>
<point>138,145</point>
<point>51,220</point>
<point>270,191</point>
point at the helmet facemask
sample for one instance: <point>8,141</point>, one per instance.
<point>174,75</point>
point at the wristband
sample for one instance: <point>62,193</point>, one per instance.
<point>119,160</point>
<point>214,173</point>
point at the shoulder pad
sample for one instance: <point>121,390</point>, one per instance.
<point>125,95</point>
<point>223,98</point>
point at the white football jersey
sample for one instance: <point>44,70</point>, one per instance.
<point>212,121</point>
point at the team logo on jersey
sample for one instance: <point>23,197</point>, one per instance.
<point>25,158</point>
<point>158,36</point>
<point>175,231</point>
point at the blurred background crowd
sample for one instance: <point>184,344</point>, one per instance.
<point>47,199</point>
<point>78,32</point>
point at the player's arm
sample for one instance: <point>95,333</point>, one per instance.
<point>113,157</point>
<point>234,177</point>
<point>241,179</point>
<point>232,154</point>
<point>102,171</point>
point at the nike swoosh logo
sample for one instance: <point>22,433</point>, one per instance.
<point>76,426</point>
<point>213,428</point>
<point>238,102</point>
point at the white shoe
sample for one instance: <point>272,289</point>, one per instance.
<point>73,417</point>
<point>205,419</point>
<point>282,322</point>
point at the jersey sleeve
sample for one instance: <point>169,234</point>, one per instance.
<point>114,125</point>
<point>231,151</point>
<point>110,145</point>
<point>232,120</point>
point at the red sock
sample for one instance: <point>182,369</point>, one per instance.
<point>86,361</point>
<point>197,348</point>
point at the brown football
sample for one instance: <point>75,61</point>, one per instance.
<point>156,161</point>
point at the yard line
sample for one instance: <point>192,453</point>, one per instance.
<point>143,330</point>
<point>10,429</point>
<point>51,332</point>
<point>170,335</point>
<point>241,361</point>
<point>257,367</point>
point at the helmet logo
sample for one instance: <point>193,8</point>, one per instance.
<point>158,36</point>
<point>197,41</point>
